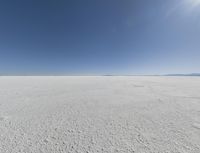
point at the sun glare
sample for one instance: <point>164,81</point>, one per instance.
<point>193,3</point>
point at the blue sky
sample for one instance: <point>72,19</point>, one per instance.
<point>79,37</point>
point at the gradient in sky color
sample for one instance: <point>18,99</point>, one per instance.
<point>48,37</point>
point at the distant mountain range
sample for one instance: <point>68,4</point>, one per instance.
<point>191,74</point>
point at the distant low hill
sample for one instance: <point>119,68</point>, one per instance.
<point>191,74</point>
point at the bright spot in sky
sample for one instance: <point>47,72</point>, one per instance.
<point>193,3</point>
<point>185,7</point>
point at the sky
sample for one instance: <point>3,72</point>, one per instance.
<point>99,37</point>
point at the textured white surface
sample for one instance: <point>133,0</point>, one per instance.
<point>100,114</point>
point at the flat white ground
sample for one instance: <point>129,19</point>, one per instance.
<point>100,114</point>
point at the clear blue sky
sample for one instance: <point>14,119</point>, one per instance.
<point>99,36</point>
